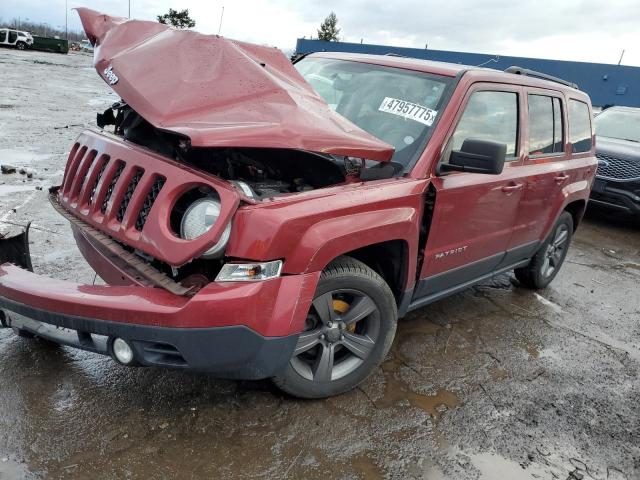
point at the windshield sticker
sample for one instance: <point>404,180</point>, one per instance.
<point>409,110</point>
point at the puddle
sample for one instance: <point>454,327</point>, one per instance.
<point>364,465</point>
<point>491,467</point>
<point>396,391</point>
<point>498,373</point>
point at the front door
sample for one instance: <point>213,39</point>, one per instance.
<point>13,36</point>
<point>474,214</point>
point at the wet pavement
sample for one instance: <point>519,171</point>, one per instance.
<point>498,382</point>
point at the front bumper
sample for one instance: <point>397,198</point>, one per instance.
<point>620,195</point>
<point>233,330</point>
<point>229,352</point>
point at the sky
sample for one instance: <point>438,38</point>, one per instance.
<point>587,30</point>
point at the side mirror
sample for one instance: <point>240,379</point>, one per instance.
<point>477,156</point>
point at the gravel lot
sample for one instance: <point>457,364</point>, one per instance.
<point>497,382</point>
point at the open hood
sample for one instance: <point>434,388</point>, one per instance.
<point>219,92</point>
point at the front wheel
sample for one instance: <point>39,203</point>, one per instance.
<point>546,263</point>
<point>348,332</point>
<point>20,45</point>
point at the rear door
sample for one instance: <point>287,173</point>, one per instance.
<point>545,167</point>
<point>474,214</point>
<point>549,145</point>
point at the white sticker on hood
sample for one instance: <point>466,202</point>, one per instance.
<point>409,110</point>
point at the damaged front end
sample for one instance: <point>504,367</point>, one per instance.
<point>205,125</point>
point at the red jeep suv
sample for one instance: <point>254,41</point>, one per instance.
<point>258,219</point>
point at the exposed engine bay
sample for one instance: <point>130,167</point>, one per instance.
<point>258,173</point>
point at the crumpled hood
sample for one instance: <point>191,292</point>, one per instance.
<point>219,92</point>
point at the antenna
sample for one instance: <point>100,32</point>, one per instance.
<point>621,55</point>
<point>221,15</point>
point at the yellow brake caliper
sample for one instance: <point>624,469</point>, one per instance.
<point>341,306</point>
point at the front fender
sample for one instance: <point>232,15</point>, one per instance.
<point>333,237</point>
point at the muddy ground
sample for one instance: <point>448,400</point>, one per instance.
<point>497,382</point>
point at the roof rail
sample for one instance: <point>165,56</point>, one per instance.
<point>542,76</point>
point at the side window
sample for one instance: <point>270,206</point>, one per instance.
<point>3,35</point>
<point>545,125</point>
<point>489,116</point>
<point>579,126</point>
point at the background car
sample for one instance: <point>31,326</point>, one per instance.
<point>15,38</point>
<point>617,182</point>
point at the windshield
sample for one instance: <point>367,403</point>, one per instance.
<point>397,106</point>
<point>622,124</point>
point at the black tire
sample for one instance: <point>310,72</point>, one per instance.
<point>20,45</point>
<point>356,338</point>
<point>546,263</point>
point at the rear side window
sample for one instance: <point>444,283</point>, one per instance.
<point>579,126</point>
<point>545,125</point>
<point>489,116</point>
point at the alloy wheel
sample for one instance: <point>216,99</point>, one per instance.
<point>555,250</point>
<point>341,331</point>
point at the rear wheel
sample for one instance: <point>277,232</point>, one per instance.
<point>546,263</point>
<point>348,332</point>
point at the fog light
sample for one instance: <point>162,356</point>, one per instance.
<point>122,351</point>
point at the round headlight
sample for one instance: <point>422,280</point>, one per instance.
<point>198,220</point>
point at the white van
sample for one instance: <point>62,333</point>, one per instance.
<point>15,38</point>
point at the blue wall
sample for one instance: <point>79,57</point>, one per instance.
<point>606,84</point>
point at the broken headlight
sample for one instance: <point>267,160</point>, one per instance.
<point>198,219</point>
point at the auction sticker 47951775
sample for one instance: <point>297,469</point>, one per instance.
<point>409,110</point>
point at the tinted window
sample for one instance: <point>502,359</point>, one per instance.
<point>579,126</point>
<point>3,35</point>
<point>489,116</point>
<point>545,125</point>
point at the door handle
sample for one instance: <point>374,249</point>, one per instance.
<point>561,178</point>
<point>512,188</point>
